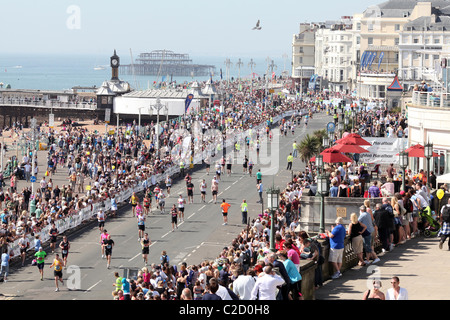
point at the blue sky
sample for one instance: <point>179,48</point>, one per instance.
<point>197,27</point>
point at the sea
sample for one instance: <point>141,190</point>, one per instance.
<point>65,71</point>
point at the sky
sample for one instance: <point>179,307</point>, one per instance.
<point>197,27</point>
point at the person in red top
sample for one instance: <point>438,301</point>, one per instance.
<point>225,206</point>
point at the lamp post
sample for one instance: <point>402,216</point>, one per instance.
<point>273,194</point>
<point>340,128</point>
<point>346,122</point>
<point>322,191</point>
<point>319,163</point>
<point>428,152</point>
<point>403,161</point>
<point>158,106</point>
<point>326,142</point>
<point>353,114</point>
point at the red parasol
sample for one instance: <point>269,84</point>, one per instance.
<point>418,151</point>
<point>332,156</point>
<point>348,147</point>
<point>355,139</point>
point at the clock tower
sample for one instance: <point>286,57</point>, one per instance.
<point>115,63</point>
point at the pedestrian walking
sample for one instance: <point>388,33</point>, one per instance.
<point>444,232</point>
<point>396,292</point>
<point>244,210</point>
<point>290,159</point>
<point>4,270</point>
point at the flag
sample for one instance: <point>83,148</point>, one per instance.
<point>273,74</point>
<point>221,74</point>
<point>380,59</point>
<point>188,102</point>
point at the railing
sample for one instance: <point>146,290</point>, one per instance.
<point>431,99</point>
<point>48,104</point>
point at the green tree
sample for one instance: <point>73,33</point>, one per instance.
<point>309,147</point>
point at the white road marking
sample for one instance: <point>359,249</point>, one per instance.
<point>90,288</point>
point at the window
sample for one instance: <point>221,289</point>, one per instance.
<point>416,40</point>
<point>435,57</point>
<point>370,27</point>
<point>358,40</point>
<point>436,41</point>
<point>301,60</point>
<point>397,27</point>
<point>358,26</point>
<point>301,49</point>
<point>396,41</point>
<point>427,56</point>
<point>370,41</point>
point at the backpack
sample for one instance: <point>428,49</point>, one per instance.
<point>246,258</point>
<point>446,214</point>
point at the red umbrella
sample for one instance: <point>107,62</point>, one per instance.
<point>348,147</point>
<point>418,151</point>
<point>332,156</point>
<point>355,139</point>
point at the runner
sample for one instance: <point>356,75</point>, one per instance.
<point>53,233</point>
<point>65,246</point>
<point>57,265</point>
<point>168,185</point>
<point>217,170</point>
<point>101,220</point>
<point>214,189</point>
<point>103,238</point>
<point>141,224</point>
<point>24,244</point>
<point>113,205</point>
<point>181,203</point>
<point>145,242</point>
<point>139,209</point>
<point>225,206</point>
<point>147,201</point>
<point>162,201</point>
<point>190,191</point>
<point>174,215</point>
<point>156,192</point>
<point>250,167</point>
<point>40,256</point>
<point>134,200</point>
<point>229,163</point>
<point>108,244</point>
<point>203,187</point>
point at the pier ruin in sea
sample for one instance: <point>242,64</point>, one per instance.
<point>165,62</point>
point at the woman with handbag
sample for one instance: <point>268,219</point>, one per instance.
<point>356,230</point>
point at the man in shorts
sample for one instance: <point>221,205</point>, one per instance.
<point>337,236</point>
<point>24,244</point>
<point>174,216</point>
<point>225,206</point>
<point>101,220</point>
<point>53,233</point>
<point>203,187</point>
<point>108,244</point>
<point>190,191</point>
<point>40,256</point>
<point>141,225</point>
<point>65,246</point>
<point>57,265</point>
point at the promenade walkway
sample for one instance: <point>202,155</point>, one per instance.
<point>423,269</point>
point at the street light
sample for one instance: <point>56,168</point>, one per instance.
<point>322,191</point>
<point>158,106</point>
<point>326,142</point>
<point>319,163</point>
<point>428,152</point>
<point>353,114</point>
<point>273,194</point>
<point>403,161</point>
<point>340,128</point>
<point>346,121</point>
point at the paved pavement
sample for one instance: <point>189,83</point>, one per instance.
<point>423,269</point>
<point>201,236</point>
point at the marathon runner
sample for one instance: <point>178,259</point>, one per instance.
<point>64,246</point>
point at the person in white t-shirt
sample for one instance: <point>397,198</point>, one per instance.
<point>396,292</point>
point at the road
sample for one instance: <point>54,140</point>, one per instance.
<point>200,237</point>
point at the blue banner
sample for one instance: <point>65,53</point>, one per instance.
<point>187,102</point>
<point>363,59</point>
<point>372,58</point>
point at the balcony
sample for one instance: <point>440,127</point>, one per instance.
<point>431,99</point>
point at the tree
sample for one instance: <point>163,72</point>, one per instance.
<point>309,147</point>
